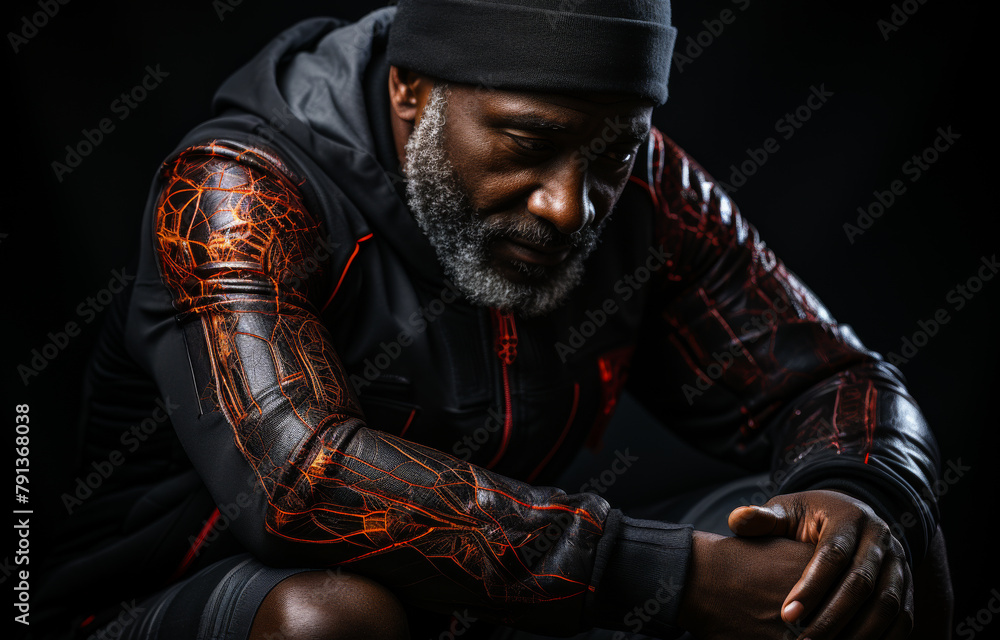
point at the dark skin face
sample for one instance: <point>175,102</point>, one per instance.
<point>563,159</point>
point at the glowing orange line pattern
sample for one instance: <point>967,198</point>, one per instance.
<point>230,229</point>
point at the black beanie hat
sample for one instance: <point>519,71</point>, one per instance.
<point>546,45</point>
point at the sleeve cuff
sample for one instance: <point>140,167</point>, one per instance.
<point>639,575</point>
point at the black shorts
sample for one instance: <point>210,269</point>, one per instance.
<point>220,601</point>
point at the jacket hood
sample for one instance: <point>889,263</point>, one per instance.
<point>335,88</point>
<point>320,89</point>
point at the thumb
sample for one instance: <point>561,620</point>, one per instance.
<point>758,521</point>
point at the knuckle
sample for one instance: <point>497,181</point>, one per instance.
<point>896,547</point>
<point>877,552</point>
<point>862,581</point>
<point>837,552</point>
<point>882,533</point>
<point>889,602</point>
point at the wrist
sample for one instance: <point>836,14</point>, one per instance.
<point>700,570</point>
<point>640,569</point>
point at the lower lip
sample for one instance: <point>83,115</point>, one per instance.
<point>532,256</point>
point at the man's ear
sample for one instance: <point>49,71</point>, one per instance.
<point>408,92</point>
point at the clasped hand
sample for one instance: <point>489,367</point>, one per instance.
<point>816,564</point>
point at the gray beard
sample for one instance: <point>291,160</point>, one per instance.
<point>461,237</point>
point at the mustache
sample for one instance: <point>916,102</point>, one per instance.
<point>539,232</point>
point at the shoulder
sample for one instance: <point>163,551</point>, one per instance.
<point>693,219</point>
<point>221,176</point>
<point>228,211</point>
<point>676,183</point>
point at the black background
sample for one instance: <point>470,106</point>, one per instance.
<point>64,238</point>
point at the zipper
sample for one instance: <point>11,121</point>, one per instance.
<point>505,345</point>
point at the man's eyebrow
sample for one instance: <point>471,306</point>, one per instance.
<point>532,122</point>
<point>634,131</point>
<point>626,131</point>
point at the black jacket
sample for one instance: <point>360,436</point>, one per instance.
<point>342,403</point>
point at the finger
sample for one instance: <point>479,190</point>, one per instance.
<point>904,623</point>
<point>875,622</point>
<point>835,552</point>
<point>879,614</point>
<point>852,593</point>
<point>759,521</point>
<point>902,629</point>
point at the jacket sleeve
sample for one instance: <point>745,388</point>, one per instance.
<point>744,362</point>
<point>267,398</point>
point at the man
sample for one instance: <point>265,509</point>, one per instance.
<point>389,291</point>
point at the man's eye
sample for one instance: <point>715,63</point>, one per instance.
<point>624,157</point>
<point>618,160</point>
<point>530,144</point>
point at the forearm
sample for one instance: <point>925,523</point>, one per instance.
<point>331,489</point>
<point>443,532</point>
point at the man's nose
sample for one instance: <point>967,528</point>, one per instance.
<point>563,200</point>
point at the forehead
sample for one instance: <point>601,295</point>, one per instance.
<point>569,113</point>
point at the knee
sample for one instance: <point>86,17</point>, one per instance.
<point>320,605</point>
